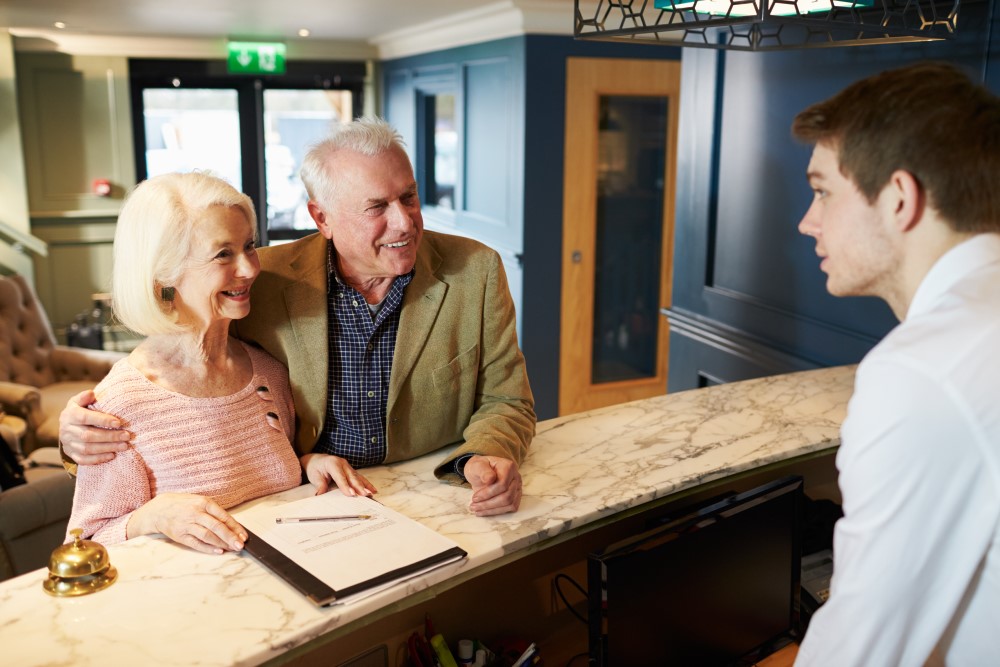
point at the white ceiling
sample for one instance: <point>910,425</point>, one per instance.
<point>351,20</point>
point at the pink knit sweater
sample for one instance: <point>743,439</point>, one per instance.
<point>225,448</point>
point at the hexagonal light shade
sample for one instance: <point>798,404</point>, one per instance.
<point>741,8</point>
<point>766,25</point>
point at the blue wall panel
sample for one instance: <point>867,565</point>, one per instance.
<point>490,166</point>
<point>741,268</point>
<point>487,81</point>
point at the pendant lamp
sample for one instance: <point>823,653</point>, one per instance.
<point>765,25</point>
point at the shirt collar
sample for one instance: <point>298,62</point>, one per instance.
<point>964,259</point>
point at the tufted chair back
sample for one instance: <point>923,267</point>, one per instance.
<point>26,338</point>
<point>38,376</point>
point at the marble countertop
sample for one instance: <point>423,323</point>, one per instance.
<point>173,606</point>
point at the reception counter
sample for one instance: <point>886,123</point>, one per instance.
<point>587,476</point>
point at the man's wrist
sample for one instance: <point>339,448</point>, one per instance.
<point>459,464</point>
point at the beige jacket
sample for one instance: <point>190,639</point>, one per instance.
<point>458,375</point>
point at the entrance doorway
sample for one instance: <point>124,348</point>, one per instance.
<point>251,130</point>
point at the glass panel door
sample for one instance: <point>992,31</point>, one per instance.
<point>442,185</point>
<point>251,130</point>
<point>437,148</point>
<point>293,121</point>
<point>631,148</point>
<point>192,128</point>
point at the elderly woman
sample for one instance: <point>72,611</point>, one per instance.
<point>211,418</point>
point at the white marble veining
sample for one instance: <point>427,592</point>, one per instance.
<point>172,606</point>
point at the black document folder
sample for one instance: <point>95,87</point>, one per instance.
<point>336,561</point>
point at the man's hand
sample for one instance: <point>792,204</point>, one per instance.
<point>496,485</point>
<point>88,436</point>
<point>192,520</point>
<point>322,468</point>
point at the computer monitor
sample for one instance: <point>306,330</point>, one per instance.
<point>717,585</point>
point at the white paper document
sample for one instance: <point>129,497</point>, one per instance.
<point>352,557</point>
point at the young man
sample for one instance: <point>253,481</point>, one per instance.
<point>906,176</point>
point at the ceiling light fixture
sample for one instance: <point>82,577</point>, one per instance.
<point>304,32</point>
<point>60,25</point>
<point>765,25</point>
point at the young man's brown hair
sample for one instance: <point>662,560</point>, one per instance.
<point>928,119</point>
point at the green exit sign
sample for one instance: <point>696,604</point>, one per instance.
<point>256,58</point>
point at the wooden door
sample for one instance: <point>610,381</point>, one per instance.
<point>618,209</point>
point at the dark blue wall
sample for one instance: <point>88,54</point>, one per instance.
<point>487,81</point>
<point>749,298</point>
<point>532,175</point>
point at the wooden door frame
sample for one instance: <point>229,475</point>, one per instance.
<point>587,79</point>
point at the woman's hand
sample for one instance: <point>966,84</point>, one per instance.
<point>321,468</point>
<point>192,520</point>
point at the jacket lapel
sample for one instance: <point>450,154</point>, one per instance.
<point>307,317</point>
<point>421,303</point>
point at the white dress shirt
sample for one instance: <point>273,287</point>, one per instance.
<point>917,554</point>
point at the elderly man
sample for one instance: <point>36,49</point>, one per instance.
<point>398,341</point>
<point>906,208</point>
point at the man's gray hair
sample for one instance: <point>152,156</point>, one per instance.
<point>368,135</point>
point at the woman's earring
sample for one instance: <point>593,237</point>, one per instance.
<point>167,293</point>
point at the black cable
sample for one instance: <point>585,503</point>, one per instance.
<point>563,597</point>
<point>573,659</point>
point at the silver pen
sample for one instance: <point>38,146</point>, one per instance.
<point>341,517</point>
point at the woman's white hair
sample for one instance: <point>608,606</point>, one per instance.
<point>368,135</point>
<point>153,239</point>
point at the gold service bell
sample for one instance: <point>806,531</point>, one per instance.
<point>79,568</point>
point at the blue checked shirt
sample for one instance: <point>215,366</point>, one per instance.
<point>361,346</point>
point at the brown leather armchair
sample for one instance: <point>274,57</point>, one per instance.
<point>33,516</point>
<point>37,376</point>
<point>33,520</point>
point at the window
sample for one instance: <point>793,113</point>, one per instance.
<point>438,160</point>
<point>293,121</point>
<point>442,141</point>
<point>251,130</point>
